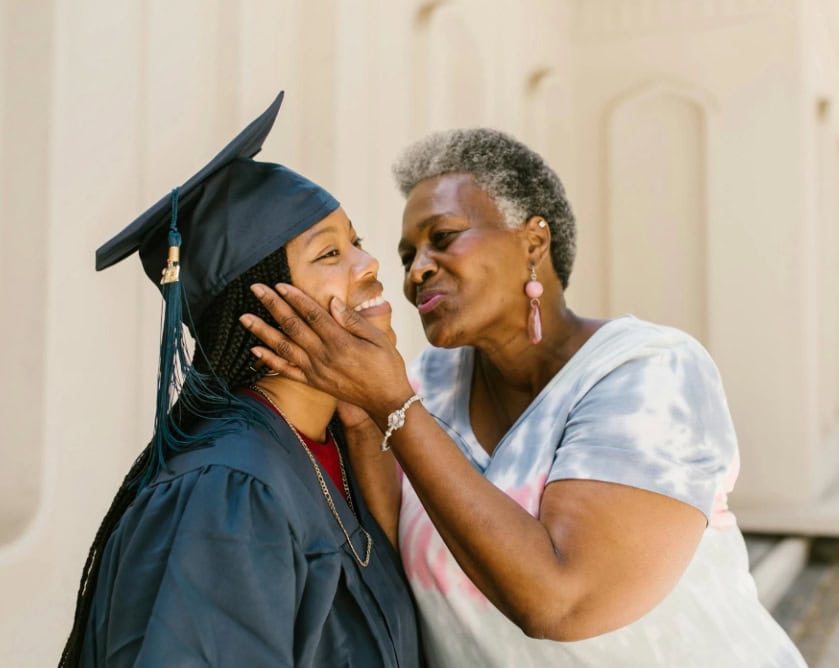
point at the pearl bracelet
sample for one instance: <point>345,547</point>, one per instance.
<point>396,420</point>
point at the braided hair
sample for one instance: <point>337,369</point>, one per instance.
<point>224,345</point>
<point>222,354</point>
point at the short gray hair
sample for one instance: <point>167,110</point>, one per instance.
<point>518,180</point>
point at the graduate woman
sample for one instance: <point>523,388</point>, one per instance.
<point>239,538</point>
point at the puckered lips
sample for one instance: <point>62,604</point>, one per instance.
<point>427,300</point>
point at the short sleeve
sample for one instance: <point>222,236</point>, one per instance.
<point>657,421</point>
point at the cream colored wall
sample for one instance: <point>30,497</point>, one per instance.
<point>698,142</point>
<point>707,202</point>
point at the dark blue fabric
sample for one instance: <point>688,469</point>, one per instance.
<point>231,214</point>
<point>233,559</point>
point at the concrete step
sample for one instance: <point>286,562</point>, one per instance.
<point>775,564</point>
<point>809,611</point>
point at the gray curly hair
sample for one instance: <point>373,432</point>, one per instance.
<point>518,180</point>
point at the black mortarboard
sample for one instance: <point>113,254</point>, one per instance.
<point>227,218</point>
<point>233,213</point>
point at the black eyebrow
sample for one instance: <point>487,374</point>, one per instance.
<point>328,229</point>
<point>323,230</point>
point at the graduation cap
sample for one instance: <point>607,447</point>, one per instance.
<point>233,213</point>
<point>227,218</point>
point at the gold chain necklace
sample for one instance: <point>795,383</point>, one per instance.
<point>323,488</point>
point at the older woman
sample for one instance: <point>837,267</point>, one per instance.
<point>563,499</point>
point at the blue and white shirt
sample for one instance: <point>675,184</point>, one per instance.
<point>641,405</point>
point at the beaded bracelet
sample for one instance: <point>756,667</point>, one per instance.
<point>396,420</point>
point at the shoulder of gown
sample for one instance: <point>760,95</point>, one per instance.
<point>232,558</point>
<point>203,567</point>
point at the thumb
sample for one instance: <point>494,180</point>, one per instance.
<point>349,319</point>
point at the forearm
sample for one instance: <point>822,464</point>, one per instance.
<point>600,555</point>
<point>377,476</point>
<point>505,551</point>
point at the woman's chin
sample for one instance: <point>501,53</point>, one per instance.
<point>439,336</point>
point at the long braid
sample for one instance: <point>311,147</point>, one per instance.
<point>225,344</point>
<point>84,598</point>
<point>223,353</point>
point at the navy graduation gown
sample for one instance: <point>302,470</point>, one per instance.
<point>233,558</point>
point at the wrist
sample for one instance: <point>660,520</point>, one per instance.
<point>396,420</point>
<point>386,406</point>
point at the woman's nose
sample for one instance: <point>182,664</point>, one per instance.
<point>367,265</point>
<point>421,269</point>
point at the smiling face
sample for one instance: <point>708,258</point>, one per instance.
<point>327,261</point>
<point>465,269</point>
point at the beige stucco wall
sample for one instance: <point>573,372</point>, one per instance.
<point>707,176</point>
<point>698,140</point>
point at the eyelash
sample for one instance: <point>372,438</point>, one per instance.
<point>334,252</point>
<point>440,239</point>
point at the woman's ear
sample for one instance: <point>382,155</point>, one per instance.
<point>538,236</point>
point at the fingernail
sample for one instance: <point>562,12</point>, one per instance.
<point>256,353</point>
<point>258,290</point>
<point>338,305</point>
<point>246,320</point>
<point>282,289</point>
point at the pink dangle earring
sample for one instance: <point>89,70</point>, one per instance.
<point>533,289</point>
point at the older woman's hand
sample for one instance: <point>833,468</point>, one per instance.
<point>599,555</point>
<point>335,351</point>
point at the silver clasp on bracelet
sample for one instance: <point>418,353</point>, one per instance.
<point>396,420</point>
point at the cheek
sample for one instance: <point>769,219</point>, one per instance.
<point>322,286</point>
<point>493,282</point>
<point>502,265</point>
<point>408,288</point>
<point>485,259</point>
<point>487,275</point>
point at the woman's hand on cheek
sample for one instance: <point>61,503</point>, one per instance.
<point>339,353</point>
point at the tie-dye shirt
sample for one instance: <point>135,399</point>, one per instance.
<point>639,404</point>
